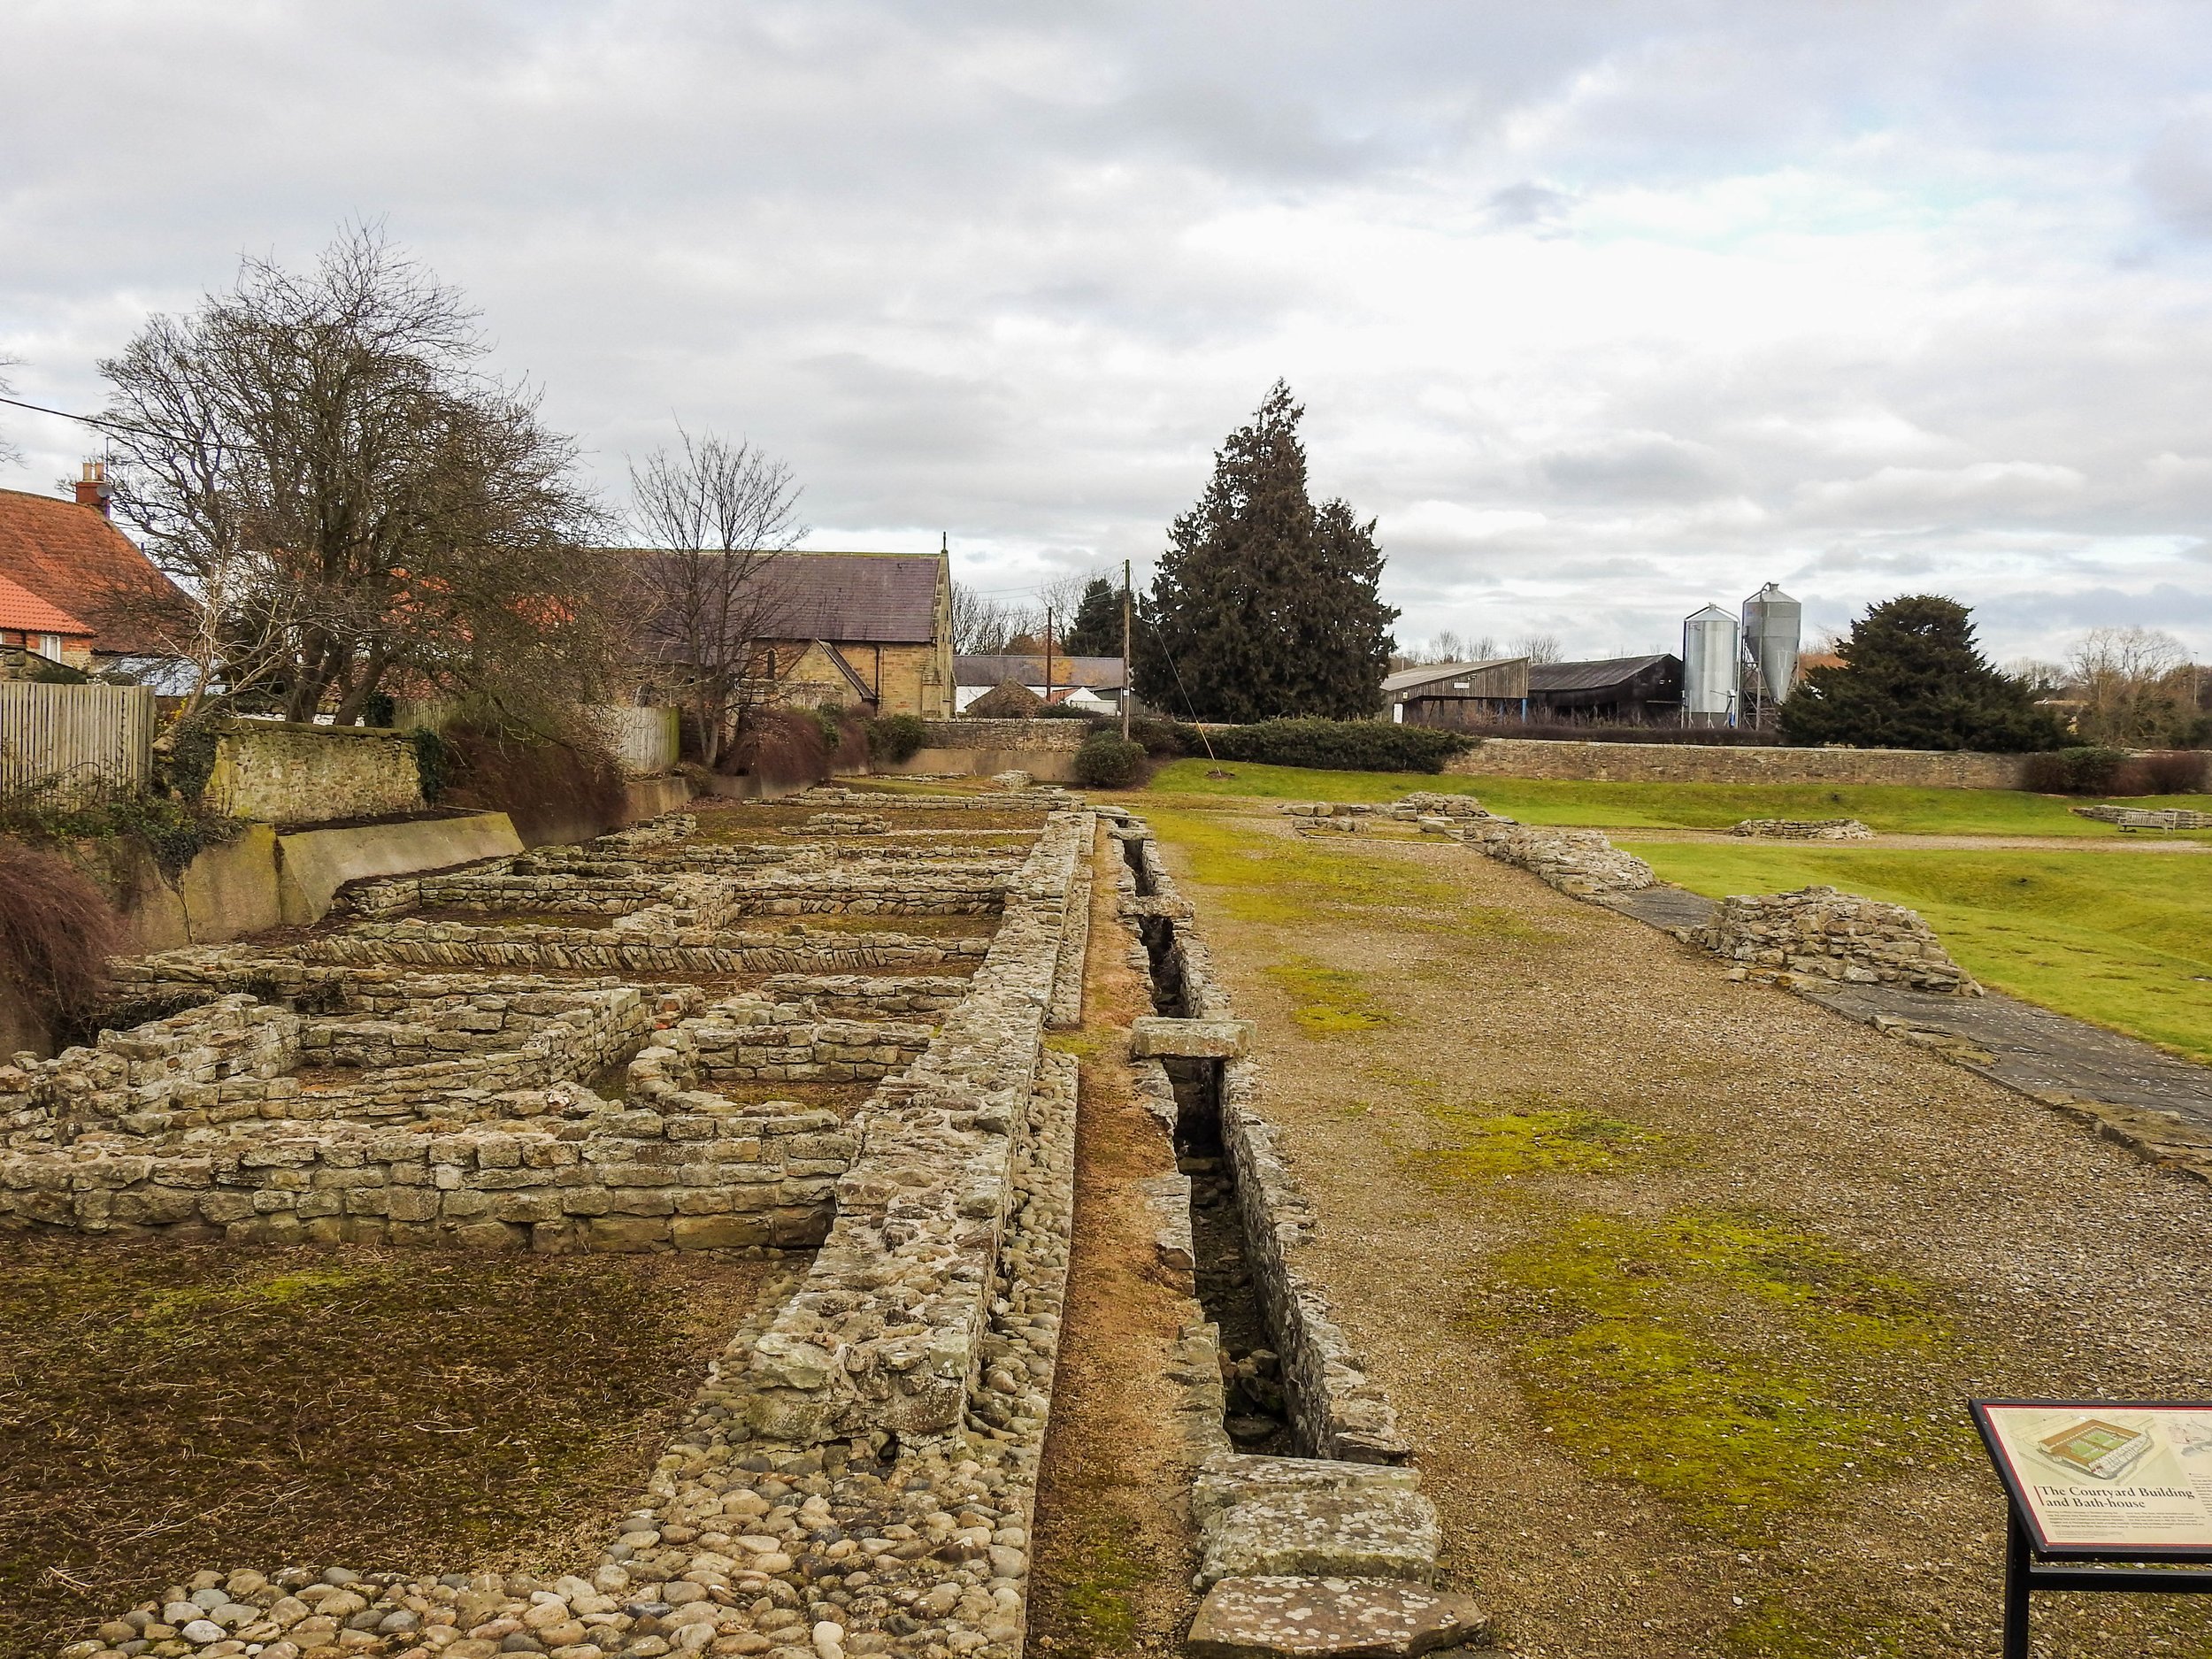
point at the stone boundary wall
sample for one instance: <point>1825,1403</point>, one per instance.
<point>1043,735</point>
<point>1819,935</point>
<point>281,773</point>
<point>1703,763</point>
<point>1339,1410</point>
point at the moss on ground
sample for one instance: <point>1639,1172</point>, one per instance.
<point>1289,881</point>
<point>1095,1591</point>
<point>167,1407</point>
<point>1477,1142</point>
<point>1734,1367</point>
<point>1329,1001</point>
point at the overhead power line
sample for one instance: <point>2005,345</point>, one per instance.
<point>90,421</point>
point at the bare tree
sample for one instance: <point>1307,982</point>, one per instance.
<point>1538,647</point>
<point>986,626</point>
<point>320,462</point>
<point>718,515</point>
<point>2131,685</point>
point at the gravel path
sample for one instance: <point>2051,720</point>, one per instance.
<point>1952,1240</point>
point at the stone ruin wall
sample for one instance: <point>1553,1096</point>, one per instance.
<point>878,1503</point>
<point>1819,936</point>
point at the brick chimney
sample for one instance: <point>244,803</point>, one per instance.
<point>92,488</point>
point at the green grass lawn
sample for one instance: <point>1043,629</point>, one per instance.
<point>2123,941</point>
<point>1890,809</point>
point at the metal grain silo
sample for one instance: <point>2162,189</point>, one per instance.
<point>1772,624</point>
<point>1709,645</point>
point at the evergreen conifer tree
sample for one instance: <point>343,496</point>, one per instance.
<point>1263,605</point>
<point>1095,630</point>
<point>1913,678</point>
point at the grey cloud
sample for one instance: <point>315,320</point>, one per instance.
<point>1014,272</point>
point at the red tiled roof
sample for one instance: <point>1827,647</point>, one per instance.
<point>22,611</point>
<point>72,558</point>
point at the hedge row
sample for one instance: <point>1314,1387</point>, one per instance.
<point>1325,745</point>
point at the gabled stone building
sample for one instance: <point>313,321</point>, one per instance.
<point>870,632</point>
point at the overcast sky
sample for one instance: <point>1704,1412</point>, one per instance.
<point>1604,308</point>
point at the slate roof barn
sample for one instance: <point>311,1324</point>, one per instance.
<point>1631,688</point>
<point>1458,694</point>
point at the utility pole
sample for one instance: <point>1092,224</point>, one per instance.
<point>1047,655</point>
<point>1126,689</point>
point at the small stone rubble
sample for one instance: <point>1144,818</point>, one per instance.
<point>842,824</point>
<point>1819,935</point>
<point>1790,829</point>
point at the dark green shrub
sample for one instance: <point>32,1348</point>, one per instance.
<point>433,761</point>
<point>2175,771</point>
<point>1109,761</point>
<point>191,757</point>
<point>2080,771</point>
<point>1165,740</point>
<point>1338,745</point>
<point>172,830</point>
<point>896,738</point>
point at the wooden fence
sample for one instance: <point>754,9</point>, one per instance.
<point>74,742</point>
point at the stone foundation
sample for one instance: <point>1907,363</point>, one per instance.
<point>1784,829</point>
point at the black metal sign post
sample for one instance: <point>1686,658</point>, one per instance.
<point>2065,1501</point>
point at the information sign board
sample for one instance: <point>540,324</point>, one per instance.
<point>2114,1478</point>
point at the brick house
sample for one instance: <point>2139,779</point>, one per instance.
<point>68,559</point>
<point>870,632</point>
<point>27,623</point>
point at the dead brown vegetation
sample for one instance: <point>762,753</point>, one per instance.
<point>57,930</point>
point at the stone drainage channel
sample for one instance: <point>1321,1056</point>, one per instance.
<point>857,1473</point>
<point>1313,1535</point>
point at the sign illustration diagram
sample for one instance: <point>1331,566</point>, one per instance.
<point>2106,1478</point>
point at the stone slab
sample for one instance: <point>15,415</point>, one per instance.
<point>1375,1532</point>
<point>1345,1618</point>
<point>1156,1037</point>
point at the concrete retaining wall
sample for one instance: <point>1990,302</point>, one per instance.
<point>314,864</point>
